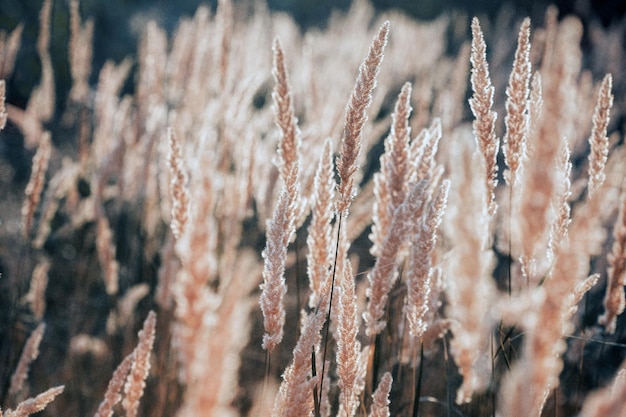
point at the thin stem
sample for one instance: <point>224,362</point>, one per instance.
<point>418,388</point>
<point>298,306</point>
<point>510,238</point>
<point>316,399</point>
<point>330,305</point>
<point>449,401</point>
<point>266,378</point>
<point>493,378</point>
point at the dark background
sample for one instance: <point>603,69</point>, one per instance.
<point>118,25</point>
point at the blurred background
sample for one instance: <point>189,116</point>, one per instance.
<point>119,24</point>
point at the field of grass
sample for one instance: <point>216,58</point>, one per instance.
<point>380,217</point>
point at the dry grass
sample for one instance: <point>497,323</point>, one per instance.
<point>245,225</point>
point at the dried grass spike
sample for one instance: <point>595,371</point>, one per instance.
<point>319,239</point>
<point>112,395</point>
<point>614,300</point>
<point>423,150</point>
<point>179,189</point>
<point>36,183</point>
<point>561,204</point>
<point>576,296</point>
<point>81,38</point>
<point>135,382</point>
<point>485,119</point>
<point>420,269</point>
<point>8,50</point>
<point>348,347</point>
<point>382,277</point>
<point>273,286</point>
<point>598,141</point>
<point>42,101</point>
<point>36,296</point>
<point>289,144</point>
<point>517,107</point>
<point>3,110</point>
<point>380,404</point>
<point>390,183</point>
<point>397,166</point>
<point>106,255</point>
<point>356,116</point>
<point>34,405</point>
<point>295,397</point>
<point>29,354</point>
<point>535,112</point>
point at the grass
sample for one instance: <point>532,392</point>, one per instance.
<point>251,232</point>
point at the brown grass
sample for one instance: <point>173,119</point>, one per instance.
<point>233,194</point>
